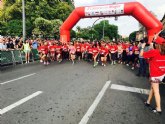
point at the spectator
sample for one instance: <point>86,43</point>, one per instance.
<point>3,45</point>
<point>34,44</point>
<point>142,61</point>
<point>26,49</point>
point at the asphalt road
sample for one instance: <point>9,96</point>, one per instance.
<point>69,92</point>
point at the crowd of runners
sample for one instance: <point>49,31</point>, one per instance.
<point>99,52</point>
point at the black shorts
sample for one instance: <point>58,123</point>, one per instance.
<point>90,55</point>
<point>124,56</point>
<point>102,55</point>
<point>136,56</point>
<point>113,56</point>
<point>78,54</point>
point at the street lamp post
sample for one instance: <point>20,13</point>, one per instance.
<point>103,29</point>
<point>94,24</point>
<point>23,20</point>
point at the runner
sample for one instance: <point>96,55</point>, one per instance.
<point>65,52</point>
<point>59,52</point>
<point>72,52</point>
<point>113,50</point>
<point>78,51</point>
<point>119,52</point>
<point>52,49</point>
<point>103,54</point>
<point>109,48</point>
<point>130,55</point>
<point>136,55</point>
<point>83,50</point>
<point>44,53</point>
<point>124,55</point>
<point>89,53</point>
<point>95,52</point>
<point>157,71</point>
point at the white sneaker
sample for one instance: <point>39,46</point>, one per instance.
<point>127,64</point>
<point>132,68</point>
<point>41,61</point>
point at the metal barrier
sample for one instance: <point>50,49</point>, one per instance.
<point>15,57</point>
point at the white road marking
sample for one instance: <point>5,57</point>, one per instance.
<point>130,89</point>
<point>10,107</point>
<point>17,78</point>
<point>90,111</point>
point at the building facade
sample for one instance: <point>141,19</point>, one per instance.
<point>163,22</point>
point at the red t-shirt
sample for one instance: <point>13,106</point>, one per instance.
<point>78,48</point>
<point>52,49</point>
<point>86,45</point>
<point>58,49</point>
<point>113,49</point>
<point>103,51</point>
<point>108,47</point>
<point>136,50</point>
<point>44,49</point>
<point>124,46</point>
<point>89,50</point>
<point>82,48</point>
<point>65,48</point>
<point>95,51</point>
<point>156,62</point>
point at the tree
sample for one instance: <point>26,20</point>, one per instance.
<point>46,9</point>
<point>44,26</point>
<point>14,28</point>
<point>132,36</point>
<point>56,26</point>
<point>72,34</point>
<point>110,31</point>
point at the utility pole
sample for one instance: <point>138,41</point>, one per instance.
<point>103,28</point>
<point>23,20</point>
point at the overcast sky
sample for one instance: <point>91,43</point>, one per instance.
<point>126,24</point>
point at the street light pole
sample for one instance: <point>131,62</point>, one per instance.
<point>103,28</point>
<point>23,20</point>
<point>94,24</point>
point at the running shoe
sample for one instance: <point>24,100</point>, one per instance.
<point>44,63</point>
<point>156,111</point>
<point>47,63</point>
<point>73,63</point>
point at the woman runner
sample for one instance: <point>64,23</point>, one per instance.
<point>157,71</point>
<point>72,52</point>
<point>95,52</point>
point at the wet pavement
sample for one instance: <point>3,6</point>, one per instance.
<point>69,90</point>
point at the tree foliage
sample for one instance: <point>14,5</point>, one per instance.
<point>132,36</point>
<point>50,12</point>
<point>96,32</point>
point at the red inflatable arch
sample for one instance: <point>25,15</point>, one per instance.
<point>135,9</point>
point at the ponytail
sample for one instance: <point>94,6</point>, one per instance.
<point>162,49</point>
